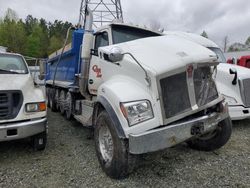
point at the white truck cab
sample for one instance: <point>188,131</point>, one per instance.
<point>142,92</point>
<point>150,92</point>
<point>232,81</point>
<point>22,104</point>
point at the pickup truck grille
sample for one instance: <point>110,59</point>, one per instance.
<point>204,86</point>
<point>10,104</point>
<point>175,96</point>
<point>3,98</point>
<point>245,92</point>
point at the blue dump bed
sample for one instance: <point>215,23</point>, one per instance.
<point>70,62</point>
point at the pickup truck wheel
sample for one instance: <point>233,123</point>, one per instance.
<point>52,100</point>
<point>68,106</point>
<point>213,140</point>
<point>62,102</point>
<point>111,151</point>
<point>39,141</point>
<point>47,97</point>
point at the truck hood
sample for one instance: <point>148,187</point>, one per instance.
<point>166,53</point>
<point>193,37</point>
<point>15,81</point>
<point>242,72</point>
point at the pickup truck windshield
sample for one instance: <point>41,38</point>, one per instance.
<point>12,64</point>
<point>123,33</point>
<point>220,54</point>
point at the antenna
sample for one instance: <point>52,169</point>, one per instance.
<point>104,11</point>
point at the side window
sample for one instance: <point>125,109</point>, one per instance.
<point>101,39</point>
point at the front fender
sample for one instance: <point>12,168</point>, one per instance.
<point>224,84</point>
<point>124,89</point>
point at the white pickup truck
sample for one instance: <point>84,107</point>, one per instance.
<point>232,81</point>
<point>22,103</point>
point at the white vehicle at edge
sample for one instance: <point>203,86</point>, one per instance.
<point>232,81</point>
<point>22,104</point>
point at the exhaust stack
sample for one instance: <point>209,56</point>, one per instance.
<point>85,54</point>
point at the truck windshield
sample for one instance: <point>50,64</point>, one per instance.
<point>220,54</point>
<point>12,64</point>
<point>121,33</point>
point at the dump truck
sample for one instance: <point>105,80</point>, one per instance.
<point>140,91</point>
<point>22,103</point>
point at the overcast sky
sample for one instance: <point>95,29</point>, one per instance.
<point>217,18</point>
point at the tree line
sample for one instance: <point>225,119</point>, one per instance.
<point>233,47</point>
<point>32,37</point>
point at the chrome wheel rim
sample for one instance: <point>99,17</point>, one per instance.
<point>106,143</point>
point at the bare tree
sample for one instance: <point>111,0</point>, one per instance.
<point>225,43</point>
<point>204,34</point>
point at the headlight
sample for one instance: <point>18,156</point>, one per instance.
<point>35,107</point>
<point>137,112</point>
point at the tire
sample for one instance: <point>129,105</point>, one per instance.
<point>215,139</point>
<point>57,99</point>
<point>62,102</point>
<point>115,159</point>
<point>68,105</point>
<point>52,100</point>
<point>39,141</point>
<point>48,97</point>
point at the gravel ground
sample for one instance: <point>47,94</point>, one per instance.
<point>69,161</point>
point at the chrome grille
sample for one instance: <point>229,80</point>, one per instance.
<point>4,105</point>
<point>204,86</point>
<point>174,95</point>
<point>3,98</point>
<point>10,104</point>
<point>246,92</point>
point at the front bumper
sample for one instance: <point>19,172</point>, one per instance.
<point>239,112</point>
<point>14,131</point>
<point>172,135</point>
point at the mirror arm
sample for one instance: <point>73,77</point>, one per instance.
<point>147,78</point>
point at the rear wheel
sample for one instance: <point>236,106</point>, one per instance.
<point>213,140</point>
<point>68,105</point>
<point>39,141</point>
<point>52,100</point>
<point>111,150</point>
<point>62,102</point>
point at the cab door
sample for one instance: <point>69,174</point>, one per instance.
<point>96,62</point>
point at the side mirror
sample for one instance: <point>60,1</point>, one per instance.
<point>234,71</point>
<point>234,61</point>
<point>115,55</point>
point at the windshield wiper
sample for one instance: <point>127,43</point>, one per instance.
<point>8,71</point>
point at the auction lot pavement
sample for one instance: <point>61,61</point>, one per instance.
<point>69,161</point>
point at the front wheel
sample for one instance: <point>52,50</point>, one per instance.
<point>215,139</point>
<point>39,141</point>
<point>110,149</point>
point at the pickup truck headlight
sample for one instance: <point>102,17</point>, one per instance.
<point>137,112</point>
<point>35,107</point>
